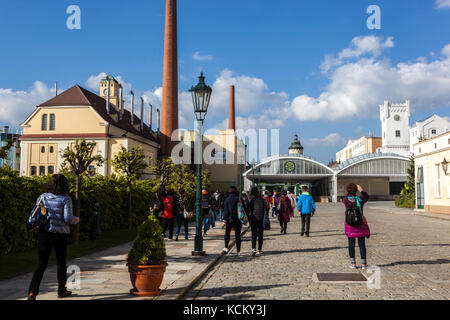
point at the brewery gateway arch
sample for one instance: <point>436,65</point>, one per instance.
<point>381,174</point>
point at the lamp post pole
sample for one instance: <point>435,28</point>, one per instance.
<point>198,244</point>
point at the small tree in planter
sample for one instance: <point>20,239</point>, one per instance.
<point>146,259</point>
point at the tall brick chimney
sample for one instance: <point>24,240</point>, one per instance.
<point>169,116</point>
<point>232,113</point>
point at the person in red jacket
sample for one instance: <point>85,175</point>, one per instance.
<point>167,216</point>
<point>284,213</point>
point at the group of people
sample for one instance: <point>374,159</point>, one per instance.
<point>169,206</point>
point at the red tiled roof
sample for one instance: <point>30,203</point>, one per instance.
<point>78,96</point>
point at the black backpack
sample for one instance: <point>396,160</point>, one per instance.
<point>353,214</point>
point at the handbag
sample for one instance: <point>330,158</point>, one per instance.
<point>188,215</point>
<point>266,222</point>
<point>38,218</point>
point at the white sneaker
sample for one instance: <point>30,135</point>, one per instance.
<point>253,252</point>
<point>225,250</point>
<point>259,253</point>
<point>237,254</point>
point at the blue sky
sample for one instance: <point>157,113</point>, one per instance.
<point>273,52</point>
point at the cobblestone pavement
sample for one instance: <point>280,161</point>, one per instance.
<point>104,275</point>
<point>412,252</point>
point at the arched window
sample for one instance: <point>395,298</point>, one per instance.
<point>52,122</point>
<point>42,149</point>
<point>44,122</point>
<point>51,150</point>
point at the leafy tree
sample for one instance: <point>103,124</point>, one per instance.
<point>4,151</point>
<point>131,164</point>
<point>78,160</point>
<point>407,197</point>
<point>166,170</point>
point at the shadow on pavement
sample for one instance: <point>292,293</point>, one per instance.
<point>220,291</point>
<point>437,261</point>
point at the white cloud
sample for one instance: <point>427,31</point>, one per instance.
<point>331,140</point>
<point>16,106</point>
<point>251,94</point>
<point>198,57</point>
<point>94,81</point>
<point>442,4</point>
<point>362,45</point>
<point>357,88</point>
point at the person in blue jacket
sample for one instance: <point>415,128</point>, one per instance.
<point>306,208</point>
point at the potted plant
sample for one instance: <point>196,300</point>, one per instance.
<point>146,259</point>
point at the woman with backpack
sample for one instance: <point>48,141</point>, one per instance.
<point>58,206</point>
<point>284,211</point>
<point>355,227</point>
<point>257,210</point>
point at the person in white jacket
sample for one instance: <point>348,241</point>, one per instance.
<point>293,200</point>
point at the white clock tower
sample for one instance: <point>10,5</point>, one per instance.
<point>395,127</point>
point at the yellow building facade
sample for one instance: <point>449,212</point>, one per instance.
<point>354,148</point>
<point>432,174</point>
<point>77,114</point>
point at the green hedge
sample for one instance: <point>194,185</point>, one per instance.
<point>18,195</point>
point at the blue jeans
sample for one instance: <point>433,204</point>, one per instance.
<point>182,221</point>
<point>220,214</point>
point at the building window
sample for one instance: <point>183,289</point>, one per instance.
<point>51,169</point>
<point>437,191</point>
<point>33,170</point>
<point>397,133</point>
<point>52,122</point>
<point>433,131</point>
<point>44,122</point>
<point>42,149</point>
<point>435,145</point>
<point>420,150</point>
<point>42,170</point>
<point>52,149</point>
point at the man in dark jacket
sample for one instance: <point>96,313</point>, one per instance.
<point>231,218</point>
<point>257,209</point>
<point>206,207</point>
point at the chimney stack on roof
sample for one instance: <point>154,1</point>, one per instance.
<point>232,115</point>
<point>132,108</point>
<point>151,117</point>
<point>107,96</point>
<point>120,103</point>
<point>142,114</point>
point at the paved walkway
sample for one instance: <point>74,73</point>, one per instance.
<point>104,275</point>
<point>412,251</point>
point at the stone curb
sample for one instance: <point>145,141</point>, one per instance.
<point>205,270</point>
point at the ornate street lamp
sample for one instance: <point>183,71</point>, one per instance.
<point>201,94</point>
<point>445,166</point>
<point>253,164</point>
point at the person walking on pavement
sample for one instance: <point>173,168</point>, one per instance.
<point>291,197</point>
<point>168,214</point>
<point>158,202</point>
<point>274,204</point>
<point>284,211</point>
<point>231,218</point>
<point>206,208</point>
<point>257,210</point>
<point>58,205</point>
<point>181,207</point>
<point>360,232</point>
<point>306,208</point>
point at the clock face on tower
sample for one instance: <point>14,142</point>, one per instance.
<point>397,117</point>
<point>289,166</point>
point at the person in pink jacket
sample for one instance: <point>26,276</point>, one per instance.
<point>360,232</point>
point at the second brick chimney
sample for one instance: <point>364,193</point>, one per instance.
<point>232,115</point>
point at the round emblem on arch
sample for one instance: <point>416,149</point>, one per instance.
<point>289,166</point>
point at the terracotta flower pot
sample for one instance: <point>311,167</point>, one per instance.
<point>146,279</point>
